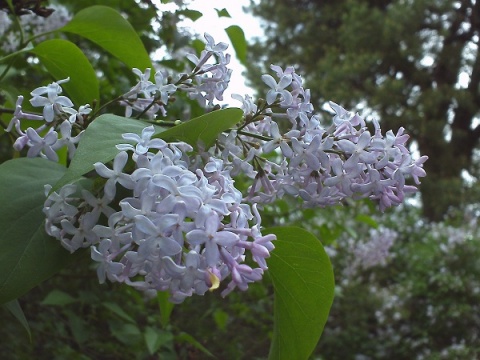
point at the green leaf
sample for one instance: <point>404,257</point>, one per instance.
<point>303,280</point>
<point>98,144</point>
<point>29,256</point>
<point>129,334</point>
<point>203,129</point>
<point>119,311</point>
<point>57,297</point>
<point>10,6</point>
<point>64,59</point>
<point>223,13</point>
<point>16,310</point>
<point>99,140</point>
<point>367,220</point>
<point>189,339</point>
<point>78,327</point>
<point>108,29</point>
<point>221,319</point>
<point>193,15</point>
<point>165,306</point>
<point>198,45</point>
<point>173,64</point>
<point>155,338</point>
<point>237,37</point>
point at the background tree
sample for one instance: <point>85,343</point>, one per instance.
<point>409,63</point>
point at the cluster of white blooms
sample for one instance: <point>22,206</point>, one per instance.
<point>58,116</point>
<point>207,81</point>
<point>179,224</point>
<point>375,251</point>
<point>155,95</point>
<point>183,228</point>
<point>32,25</point>
<point>321,165</point>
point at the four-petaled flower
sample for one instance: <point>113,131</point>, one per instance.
<point>52,101</point>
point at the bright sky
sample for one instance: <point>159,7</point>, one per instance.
<point>215,26</point>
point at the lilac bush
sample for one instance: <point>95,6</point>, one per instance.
<point>185,227</point>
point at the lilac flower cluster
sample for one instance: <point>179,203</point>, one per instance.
<point>183,229</point>
<point>155,95</point>
<point>375,251</point>
<point>32,25</point>
<point>321,165</point>
<point>179,224</point>
<point>207,81</point>
<point>58,118</point>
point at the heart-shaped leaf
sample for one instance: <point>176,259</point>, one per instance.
<point>29,256</point>
<point>99,140</point>
<point>109,29</point>
<point>64,59</point>
<point>303,280</point>
<point>98,144</point>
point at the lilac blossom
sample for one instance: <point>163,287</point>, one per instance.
<point>59,118</point>
<point>53,103</point>
<point>143,142</point>
<point>19,115</point>
<point>115,175</point>
<point>32,25</point>
<point>373,251</point>
<point>183,227</point>
<point>154,98</point>
<point>43,146</point>
<point>323,166</point>
<point>180,223</point>
<point>278,89</point>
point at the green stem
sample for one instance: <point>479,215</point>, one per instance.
<point>18,52</point>
<point>105,105</point>
<point>30,39</point>
<point>256,136</point>
<point>147,108</point>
